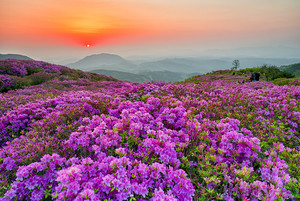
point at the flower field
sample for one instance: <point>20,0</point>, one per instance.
<point>91,137</point>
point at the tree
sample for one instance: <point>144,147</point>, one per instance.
<point>273,72</point>
<point>236,64</point>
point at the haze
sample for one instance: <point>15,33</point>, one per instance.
<point>62,29</point>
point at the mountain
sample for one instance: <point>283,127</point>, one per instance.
<point>14,56</point>
<point>166,69</point>
<point>204,65</point>
<point>293,68</point>
<point>185,65</point>
<point>166,76</point>
<point>144,76</point>
<point>121,75</point>
<point>103,61</point>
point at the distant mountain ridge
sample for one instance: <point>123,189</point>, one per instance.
<point>107,61</point>
<point>14,56</point>
<point>145,76</point>
<point>167,69</point>
<point>102,61</point>
<point>184,65</point>
<point>121,75</point>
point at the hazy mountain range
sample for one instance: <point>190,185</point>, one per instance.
<point>183,65</point>
<point>163,69</point>
<point>166,69</point>
<point>143,76</point>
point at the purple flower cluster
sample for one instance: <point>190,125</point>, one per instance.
<point>13,67</point>
<point>30,72</point>
<point>33,180</point>
<point>135,130</point>
<point>5,83</point>
<point>13,99</point>
<point>236,146</point>
<point>22,67</point>
<point>295,82</point>
<point>19,120</point>
<point>119,179</point>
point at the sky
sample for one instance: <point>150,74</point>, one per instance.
<point>64,28</point>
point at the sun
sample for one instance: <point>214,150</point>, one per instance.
<point>88,45</point>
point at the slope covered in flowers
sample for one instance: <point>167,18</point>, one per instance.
<point>197,140</point>
<point>15,74</point>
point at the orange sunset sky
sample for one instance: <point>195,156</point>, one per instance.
<point>50,28</point>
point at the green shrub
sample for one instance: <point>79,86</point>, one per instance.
<point>282,81</point>
<point>40,77</point>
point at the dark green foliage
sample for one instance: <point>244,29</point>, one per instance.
<point>273,72</point>
<point>32,70</point>
<point>19,82</point>
<point>250,70</point>
<point>269,73</point>
<point>16,83</point>
<point>282,81</point>
<point>293,68</point>
<point>40,77</point>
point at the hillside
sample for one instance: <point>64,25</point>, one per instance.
<point>242,76</point>
<point>16,74</point>
<point>293,68</point>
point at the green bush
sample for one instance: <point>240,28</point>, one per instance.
<point>40,77</point>
<point>32,70</point>
<point>282,81</point>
